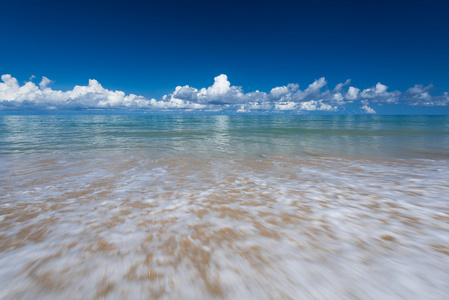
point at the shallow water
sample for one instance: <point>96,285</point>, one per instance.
<point>52,136</point>
<point>204,207</point>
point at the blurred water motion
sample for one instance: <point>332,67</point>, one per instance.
<point>125,222</point>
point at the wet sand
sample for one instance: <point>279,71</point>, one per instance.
<point>276,227</point>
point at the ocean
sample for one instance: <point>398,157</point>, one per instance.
<point>140,206</point>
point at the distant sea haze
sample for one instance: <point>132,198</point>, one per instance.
<point>199,207</point>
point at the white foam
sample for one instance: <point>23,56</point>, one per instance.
<point>274,227</point>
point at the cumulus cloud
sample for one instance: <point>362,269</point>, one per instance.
<point>352,93</point>
<point>317,105</point>
<point>221,95</point>
<point>368,109</point>
<point>419,95</point>
<point>365,108</point>
<point>12,95</point>
<point>44,82</point>
<point>379,93</point>
<point>221,92</point>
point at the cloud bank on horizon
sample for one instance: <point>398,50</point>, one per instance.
<point>221,96</point>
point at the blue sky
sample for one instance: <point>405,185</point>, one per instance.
<point>148,48</point>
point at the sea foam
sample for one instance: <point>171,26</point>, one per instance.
<point>277,226</point>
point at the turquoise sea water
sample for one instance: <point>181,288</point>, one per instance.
<point>136,206</point>
<point>225,136</point>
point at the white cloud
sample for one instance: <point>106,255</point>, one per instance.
<point>175,103</point>
<point>338,97</point>
<point>221,92</point>
<point>419,95</point>
<point>339,86</point>
<point>379,93</point>
<point>221,86</point>
<point>221,95</point>
<point>368,109</point>
<point>316,86</point>
<point>44,82</point>
<point>352,93</point>
<point>91,96</point>
<point>254,106</point>
<point>283,93</point>
<point>288,105</point>
<point>316,105</point>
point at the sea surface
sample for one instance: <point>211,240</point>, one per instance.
<point>139,206</point>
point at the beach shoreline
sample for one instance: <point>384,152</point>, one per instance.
<point>277,226</point>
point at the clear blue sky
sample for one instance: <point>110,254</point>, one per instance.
<point>150,47</point>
